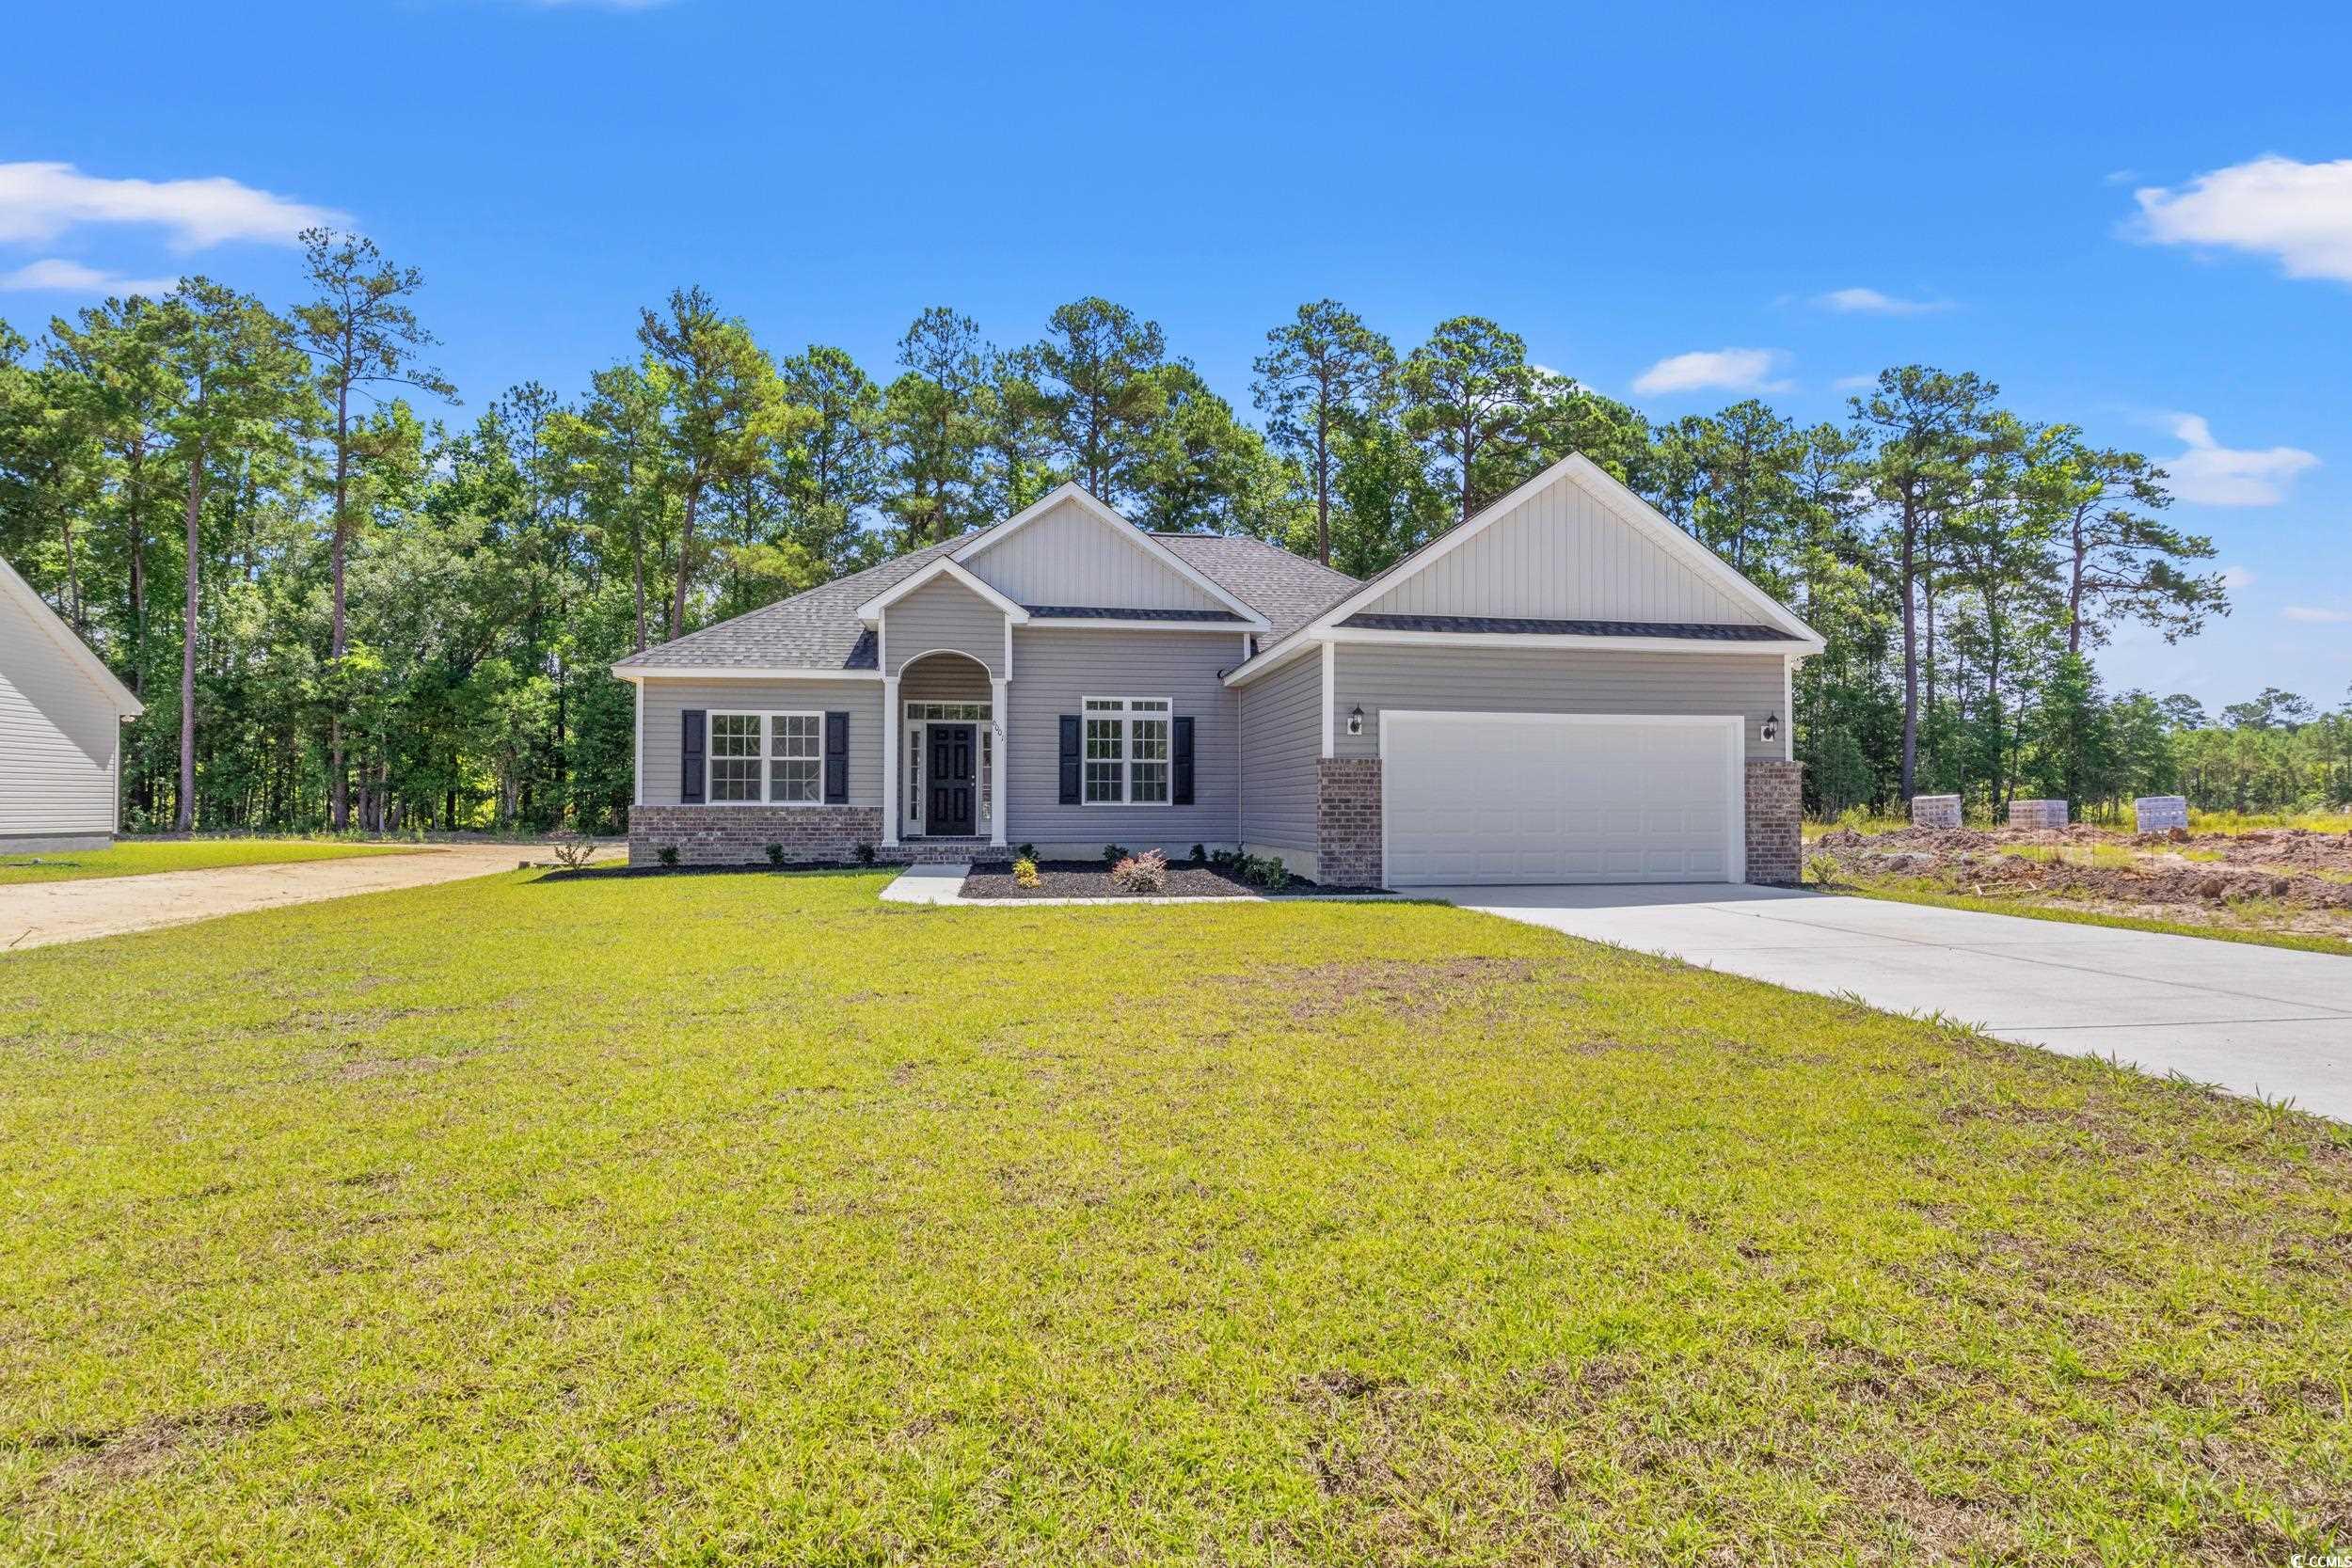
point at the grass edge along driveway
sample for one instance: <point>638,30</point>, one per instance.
<point>743,1218</point>
<point>152,857</point>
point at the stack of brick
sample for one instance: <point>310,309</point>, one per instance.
<point>2037,814</point>
<point>1936,811</point>
<point>2160,813</point>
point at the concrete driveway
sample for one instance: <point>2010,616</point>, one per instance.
<point>35,914</point>
<point>2253,1020</point>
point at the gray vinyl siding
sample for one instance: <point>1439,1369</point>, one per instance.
<point>1067,556</point>
<point>1553,680</point>
<point>1053,671</point>
<point>1565,555</point>
<point>59,735</point>
<point>944,614</point>
<point>944,680</point>
<point>1282,739</point>
<point>664,700</point>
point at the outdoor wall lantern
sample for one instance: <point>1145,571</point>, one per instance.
<point>1772,728</point>
<point>1356,721</point>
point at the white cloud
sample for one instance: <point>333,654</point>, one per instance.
<point>2301,213</point>
<point>1853,383</point>
<point>1869,302</point>
<point>2322,617</point>
<point>40,201</point>
<point>1730,370</point>
<point>72,277</point>
<point>2237,577</point>
<point>2211,474</point>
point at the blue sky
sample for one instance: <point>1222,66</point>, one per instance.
<point>1623,187</point>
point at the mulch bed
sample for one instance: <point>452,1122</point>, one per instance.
<point>1092,879</point>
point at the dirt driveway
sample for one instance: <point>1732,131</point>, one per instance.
<point>33,914</point>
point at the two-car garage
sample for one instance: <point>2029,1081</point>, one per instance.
<point>1538,798</point>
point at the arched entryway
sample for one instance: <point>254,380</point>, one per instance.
<point>948,731</point>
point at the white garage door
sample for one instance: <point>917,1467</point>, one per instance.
<point>1562,798</point>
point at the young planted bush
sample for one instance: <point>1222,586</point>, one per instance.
<point>1025,871</point>
<point>1114,853</point>
<point>1144,873</point>
<point>775,854</point>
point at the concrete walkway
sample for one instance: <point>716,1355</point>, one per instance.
<point>2265,1021</point>
<point>35,914</point>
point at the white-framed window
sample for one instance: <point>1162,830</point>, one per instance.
<point>979,715</point>
<point>775,759</point>
<point>1125,757</point>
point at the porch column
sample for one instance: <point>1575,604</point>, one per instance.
<point>891,723</point>
<point>997,772</point>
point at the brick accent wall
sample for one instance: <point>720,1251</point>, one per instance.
<point>1776,823</point>
<point>739,835</point>
<point>1348,822</point>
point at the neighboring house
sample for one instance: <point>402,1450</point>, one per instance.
<point>61,713</point>
<point>1564,689</point>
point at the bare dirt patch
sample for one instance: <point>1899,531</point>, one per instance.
<point>109,1458</point>
<point>2288,880</point>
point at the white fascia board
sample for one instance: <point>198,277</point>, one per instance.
<point>78,652</point>
<point>638,674</point>
<point>1113,623</point>
<point>1266,661</point>
<point>1109,517</point>
<point>1546,639</point>
<point>1624,504</point>
<point>946,566</point>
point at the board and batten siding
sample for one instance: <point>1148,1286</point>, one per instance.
<point>1282,739</point>
<point>665,700</point>
<point>1554,680</point>
<point>944,613</point>
<point>60,737</point>
<point>1068,557</point>
<point>1563,555</point>
<point>1055,671</point>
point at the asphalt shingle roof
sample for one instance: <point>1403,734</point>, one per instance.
<point>1288,590</point>
<point>1697,631</point>
<point>819,630</point>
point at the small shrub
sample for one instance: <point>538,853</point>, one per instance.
<point>572,850</point>
<point>775,854</point>
<point>1114,853</point>
<point>1273,875</point>
<point>1200,854</point>
<point>1027,852</point>
<point>1227,861</point>
<point>865,854</point>
<point>1822,870</point>
<point>1025,871</point>
<point>1144,873</point>
<point>667,854</point>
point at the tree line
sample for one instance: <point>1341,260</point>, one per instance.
<point>343,610</point>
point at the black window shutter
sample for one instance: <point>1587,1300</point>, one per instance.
<point>689,758</point>
<point>836,759</point>
<point>1183,771</point>
<point>1070,729</point>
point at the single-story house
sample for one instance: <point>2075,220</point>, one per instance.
<point>62,715</point>
<point>1566,687</point>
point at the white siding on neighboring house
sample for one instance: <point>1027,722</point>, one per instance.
<point>1068,557</point>
<point>1055,671</point>
<point>1554,680</point>
<point>1281,730</point>
<point>1563,554</point>
<point>664,730</point>
<point>944,613</point>
<point>59,735</point>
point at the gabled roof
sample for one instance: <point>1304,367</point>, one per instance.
<point>1150,545</point>
<point>817,630</point>
<point>47,624</point>
<point>1784,629</point>
<point>938,567</point>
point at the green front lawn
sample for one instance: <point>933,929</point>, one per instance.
<point>133,858</point>
<point>726,1219</point>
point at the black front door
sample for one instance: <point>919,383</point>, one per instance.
<point>954,775</point>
